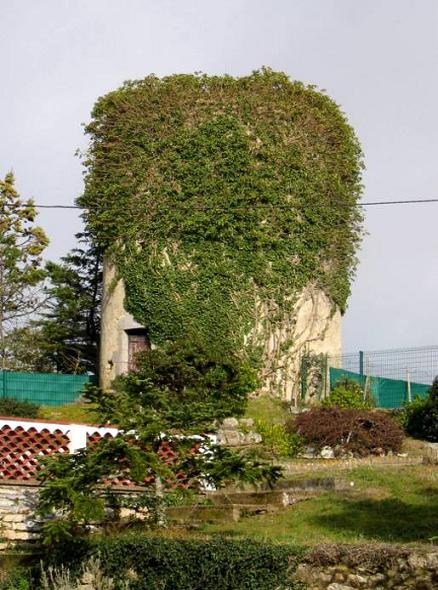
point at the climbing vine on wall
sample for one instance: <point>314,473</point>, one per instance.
<point>215,196</point>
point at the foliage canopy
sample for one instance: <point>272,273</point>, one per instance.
<point>347,394</point>
<point>21,245</point>
<point>178,387</point>
<point>420,417</point>
<point>216,195</point>
<point>64,338</point>
<point>70,323</point>
<point>176,392</point>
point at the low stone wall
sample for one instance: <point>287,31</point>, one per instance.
<point>369,567</point>
<point>234,432</point>
<point>300,466</point>
<point>17,513</point>
<point>18,521</point>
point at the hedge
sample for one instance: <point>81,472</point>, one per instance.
<point>172,564</point>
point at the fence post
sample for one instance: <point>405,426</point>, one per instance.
<point>4,383</point>
<point>408,383</point>
<point>303,378</point>
<point>361,363</point>
<point>326,378</point>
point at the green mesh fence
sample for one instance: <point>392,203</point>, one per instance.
<point>49,389</point>
<point>392,376</point>
<point>387,393</point>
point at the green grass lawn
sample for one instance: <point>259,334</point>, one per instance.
<point>395,505</point>
<point>76,412</point>
<point>267,409</point>
<point>262,408</point>
<point>385,504</point>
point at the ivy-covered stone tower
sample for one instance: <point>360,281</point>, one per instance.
<point>228,211</point>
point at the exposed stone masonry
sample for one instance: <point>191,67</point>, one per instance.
<point>370,567</point>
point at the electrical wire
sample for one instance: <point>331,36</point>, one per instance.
<point>262,205</point>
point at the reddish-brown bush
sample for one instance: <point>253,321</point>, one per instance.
<point>362,432</point>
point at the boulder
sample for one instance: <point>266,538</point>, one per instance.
<point>230,424</point>
<point>327,453</point>
<point>430,453</point>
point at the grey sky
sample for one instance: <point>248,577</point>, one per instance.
<point>377,58</point>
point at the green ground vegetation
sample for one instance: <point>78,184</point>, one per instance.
<point>81,413</point>
<point>264,408</point>
<point>267,409</point>
<point>395,505</point>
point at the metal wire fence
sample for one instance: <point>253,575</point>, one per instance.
<point>419,365</point>
<point>393,377</point>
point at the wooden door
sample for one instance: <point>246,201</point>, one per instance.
<point>137,341</point>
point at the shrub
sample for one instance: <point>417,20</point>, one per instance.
<point>347,394</point>
<point>14,407</point>
<point>17,579</point>
<point>206,564</point>
<point>409,413</point>
<point>420,417</point>
<point>361,432</point>
<point>183,384</point>
<point>91,576</point>
<point>279,441</point>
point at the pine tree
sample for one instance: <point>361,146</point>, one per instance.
<point>70,324</point>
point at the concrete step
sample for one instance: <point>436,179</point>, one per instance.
<point>278,498</point>
<point>230,505</point>
<point>189,516</point>
<point>309,483</point>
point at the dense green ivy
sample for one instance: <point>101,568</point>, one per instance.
<point>142,563</point>
<point>215,195</point>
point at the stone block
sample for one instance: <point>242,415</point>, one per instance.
<point>232,438</point>
<point>252,438</point>
<point>309,453</point>
<point>430,454</point>
<point>304,573</point>
<point>6,503</point>
<point>230,424</point>
<point>357,580</point>
<point>417,561</point>
<point>13,518</point>
<point>20,526</point>
<point>327,453</point>
<point>432,561</point>
<point>20,535</point>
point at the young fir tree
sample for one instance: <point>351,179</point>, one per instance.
<point>177,392</point>
<point>21,246</point>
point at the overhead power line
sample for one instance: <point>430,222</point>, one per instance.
<point>57,207</point>
<point>266,205</point>
<point>407,202</point>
